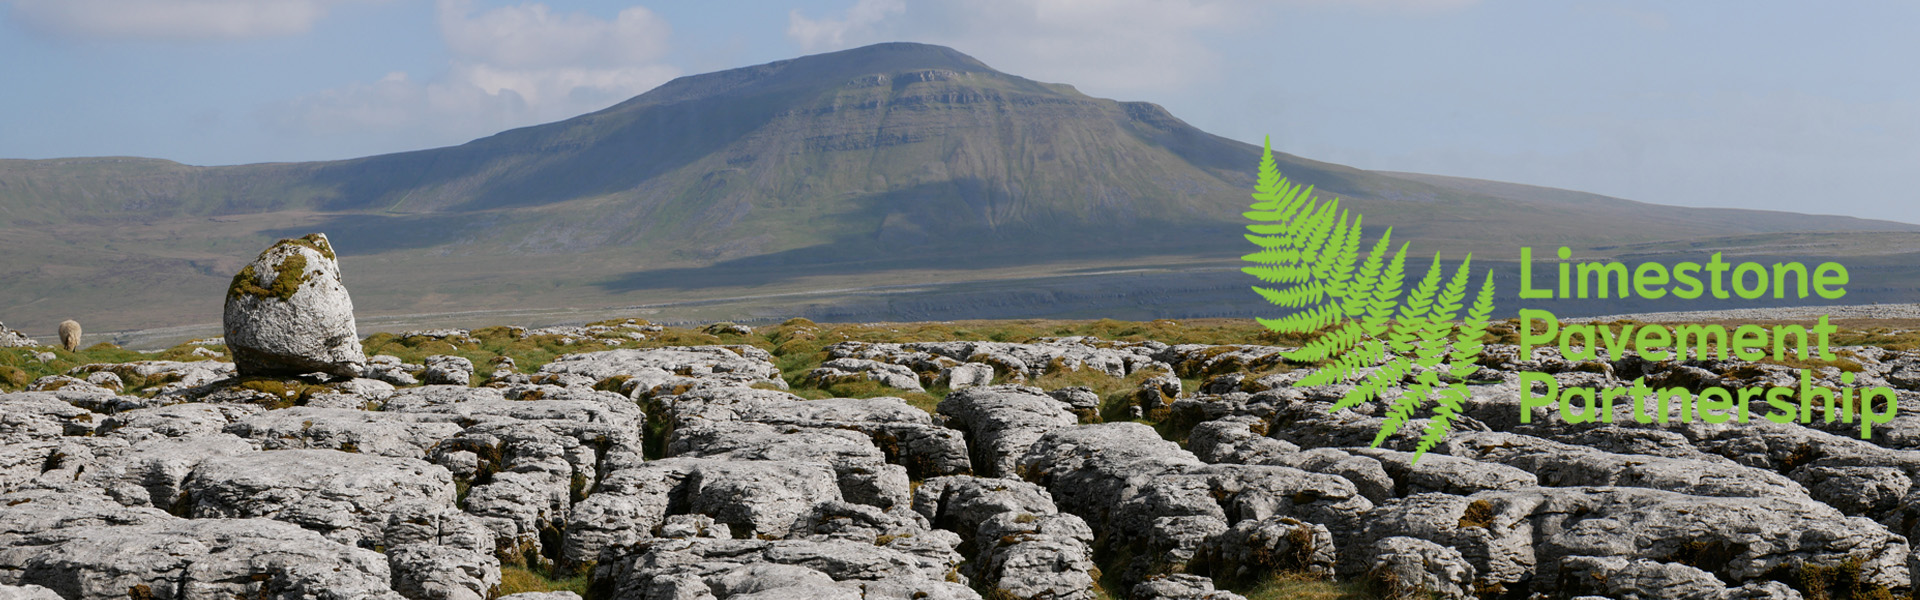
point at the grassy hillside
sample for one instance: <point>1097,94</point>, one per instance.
<point>889,165</point>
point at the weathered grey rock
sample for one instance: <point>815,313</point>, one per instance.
<point>168,376</point>
<point>1407,568</point>
<point>697,568</point>
<point>107,380</point>
<point>288,313</point>
<point>906,435</point>
<point>26,592</point>
<point>394,434</point>
<point>1200,360</point>
<point>844,370</point>
<point>1445,474</point>
<point>759,497</point>
<point>64,383</point>
<point>1558,464</point>
<point>1021,362</point>
<point>694,526</point>
<point>751,498</point>
<point>1023,555</point>
<point>441,398</point>
<point>1025,547</point>
<point>429,572</point>
<point>528,462</point>
<point>627,507</point>
<point>1148,494</point>
<point>863,472</point>
<point>389,369</point>
<point>1516,538</point>
<point>345,496</point>
<point>1637,440</point>
<point>41,416</point>
<point>22,463</point>
<point>1255,547</point>
<point>960,377</point>
<point>14,339</point>
<point>153,472</point>
<point>1764,590</point>
<point>1000,422</point>
<point>1180,586</point>
<point>34,516</point>
<point>1237,439</point>
<point>1856,490</point>
<point>652,371</point>
<point>447,370</point>
<point>898,527</point>
<point>962,503</point>
<point>356,394</point>
<point>1080,399</point>
<point>197,558</point>
<point>1624,579</point>
<point>416,523</point>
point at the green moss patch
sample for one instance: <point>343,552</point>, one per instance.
<point>315,242</point>
<point>287,279</point>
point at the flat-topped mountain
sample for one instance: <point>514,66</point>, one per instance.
<point>892,164</point>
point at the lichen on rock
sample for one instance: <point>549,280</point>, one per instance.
<point>288,313</point>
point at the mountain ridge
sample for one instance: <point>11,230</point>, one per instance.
<point>896,161</point>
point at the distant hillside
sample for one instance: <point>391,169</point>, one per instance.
<point>893,164</point>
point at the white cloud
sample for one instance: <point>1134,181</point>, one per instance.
<point>833,33</point>
<point>1104,46</point>
<point>530,35</point>
<point>511,67</point>
<point>171,19</point>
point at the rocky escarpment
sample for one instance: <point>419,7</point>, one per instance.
<point>706,471</point>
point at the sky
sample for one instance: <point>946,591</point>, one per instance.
<point>1808,107</point>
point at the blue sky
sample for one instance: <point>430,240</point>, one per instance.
<point>1756,104</point>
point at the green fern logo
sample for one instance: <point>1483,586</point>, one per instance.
<point>1309,252</point>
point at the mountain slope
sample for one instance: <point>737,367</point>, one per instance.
<point>883,165</point>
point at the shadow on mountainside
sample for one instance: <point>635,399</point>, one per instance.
<point>956,225</point>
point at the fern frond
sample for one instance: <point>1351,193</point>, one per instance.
<point>1446,405</point>
<point>1297,199</point>
<point>1270,242</point>
<point>1276,256</point>
<point>1360,286</point>
<point>1335,342</point>
<point>1312,319</point>
<point>1386,294</point>
<point>1449,301</point>
<point>1269,186</point>
<point>1293,297</point>
<point>1467,346</point>
<point>1386,376</point>
<point>1342,369</point>
<point>1420,300</point>
<point>1310,232</point>
<point>1403,409</point>
<point>1337,259</point>
<point>1273,274</point>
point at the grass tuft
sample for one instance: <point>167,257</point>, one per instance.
<point>515,580</point>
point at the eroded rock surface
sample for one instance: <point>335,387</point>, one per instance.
<point>287,313</point>
<point>690,472</point>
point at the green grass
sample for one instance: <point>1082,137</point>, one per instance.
<point>514,580</point>
<point>1295,587</point>
<point>19,367</point>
